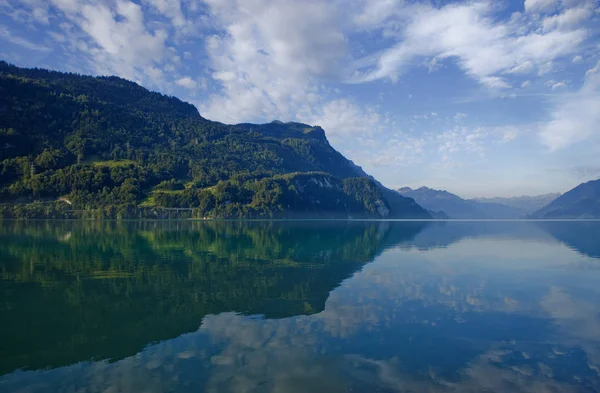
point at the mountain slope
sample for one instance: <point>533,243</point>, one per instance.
<point>108,146</point>
<point>582,201</point>
<point>456,207</point>
<point>528,204</point>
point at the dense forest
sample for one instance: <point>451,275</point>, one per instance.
<point>74,146</point>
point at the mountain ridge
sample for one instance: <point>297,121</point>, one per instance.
<point>582,201</point>
<point>456,207</point>
<point>527,203</point>
<point>111,148</point>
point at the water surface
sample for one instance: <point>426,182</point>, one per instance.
<point>300,306</point>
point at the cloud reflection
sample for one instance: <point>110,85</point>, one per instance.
<point>496,314</point>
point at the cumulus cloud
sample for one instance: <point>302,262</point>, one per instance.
<point>187,82</point>
<point>343,117</point>
<point>570,17</point>
<point>541,5</point>
<point>523,68</point>
<point>269,56</point>
<point>482,46</point>
<point>119,37</point>
<point>122,33</point>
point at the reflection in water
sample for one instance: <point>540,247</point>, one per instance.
<point>232,307</point>
<point>579,235</point>
<point>104,290</point>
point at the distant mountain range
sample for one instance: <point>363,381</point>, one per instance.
<point>528,204</point>
<point>456,207</point>
<point>582,201</point>
<point>453,206</point>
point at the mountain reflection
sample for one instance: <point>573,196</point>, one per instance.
<point>297,307</point>
<point>104,290</point>
<point>581,236</point>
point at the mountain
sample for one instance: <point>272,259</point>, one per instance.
<point>456,207</point>
<point>94,147</point>
<point>582,201</point>
<point>528,204</point>
<point>440,215</point>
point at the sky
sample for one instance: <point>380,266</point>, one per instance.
<point>480,98</point>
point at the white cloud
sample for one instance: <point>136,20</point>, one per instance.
<point>559,85</point>
<point>494,82</point>
<point>570,17</point>
<point>575,116</point>
<point>187,82</point>
<point>121,37</point>
<point>111,38</point>
<point>170,8</point>
<point>522,68</point>
<point>545,68</point>
<point>525,84</point>
<point>342,118</point>
<point>577,59</point>
<point>482,46</point>
<point>593,70</point>
<point>509,133</point>
<point>540,5</point>
<point>459,116</point>
<point>270,55</point>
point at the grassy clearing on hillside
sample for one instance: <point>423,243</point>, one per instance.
<point>113,163</point>
<point>149,201</point>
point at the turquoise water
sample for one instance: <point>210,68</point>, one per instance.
<point>300,306</point>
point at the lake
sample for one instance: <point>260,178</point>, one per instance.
<point>300,306</point>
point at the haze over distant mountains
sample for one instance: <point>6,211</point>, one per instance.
<point>582,202</point>
<point>525,203</point>
<point>457,207</point>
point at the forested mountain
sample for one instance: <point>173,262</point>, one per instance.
<point>85,146</point>
<point>527,204</point>
<point>456,207</point>
<point>582,201</point>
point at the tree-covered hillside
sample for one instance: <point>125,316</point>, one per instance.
<point>82,146</point>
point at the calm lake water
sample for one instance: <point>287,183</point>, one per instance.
<point>300,307</point>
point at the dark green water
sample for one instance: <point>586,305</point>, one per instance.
<point>300,307</point>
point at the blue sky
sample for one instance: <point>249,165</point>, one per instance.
<point>482,98</point>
